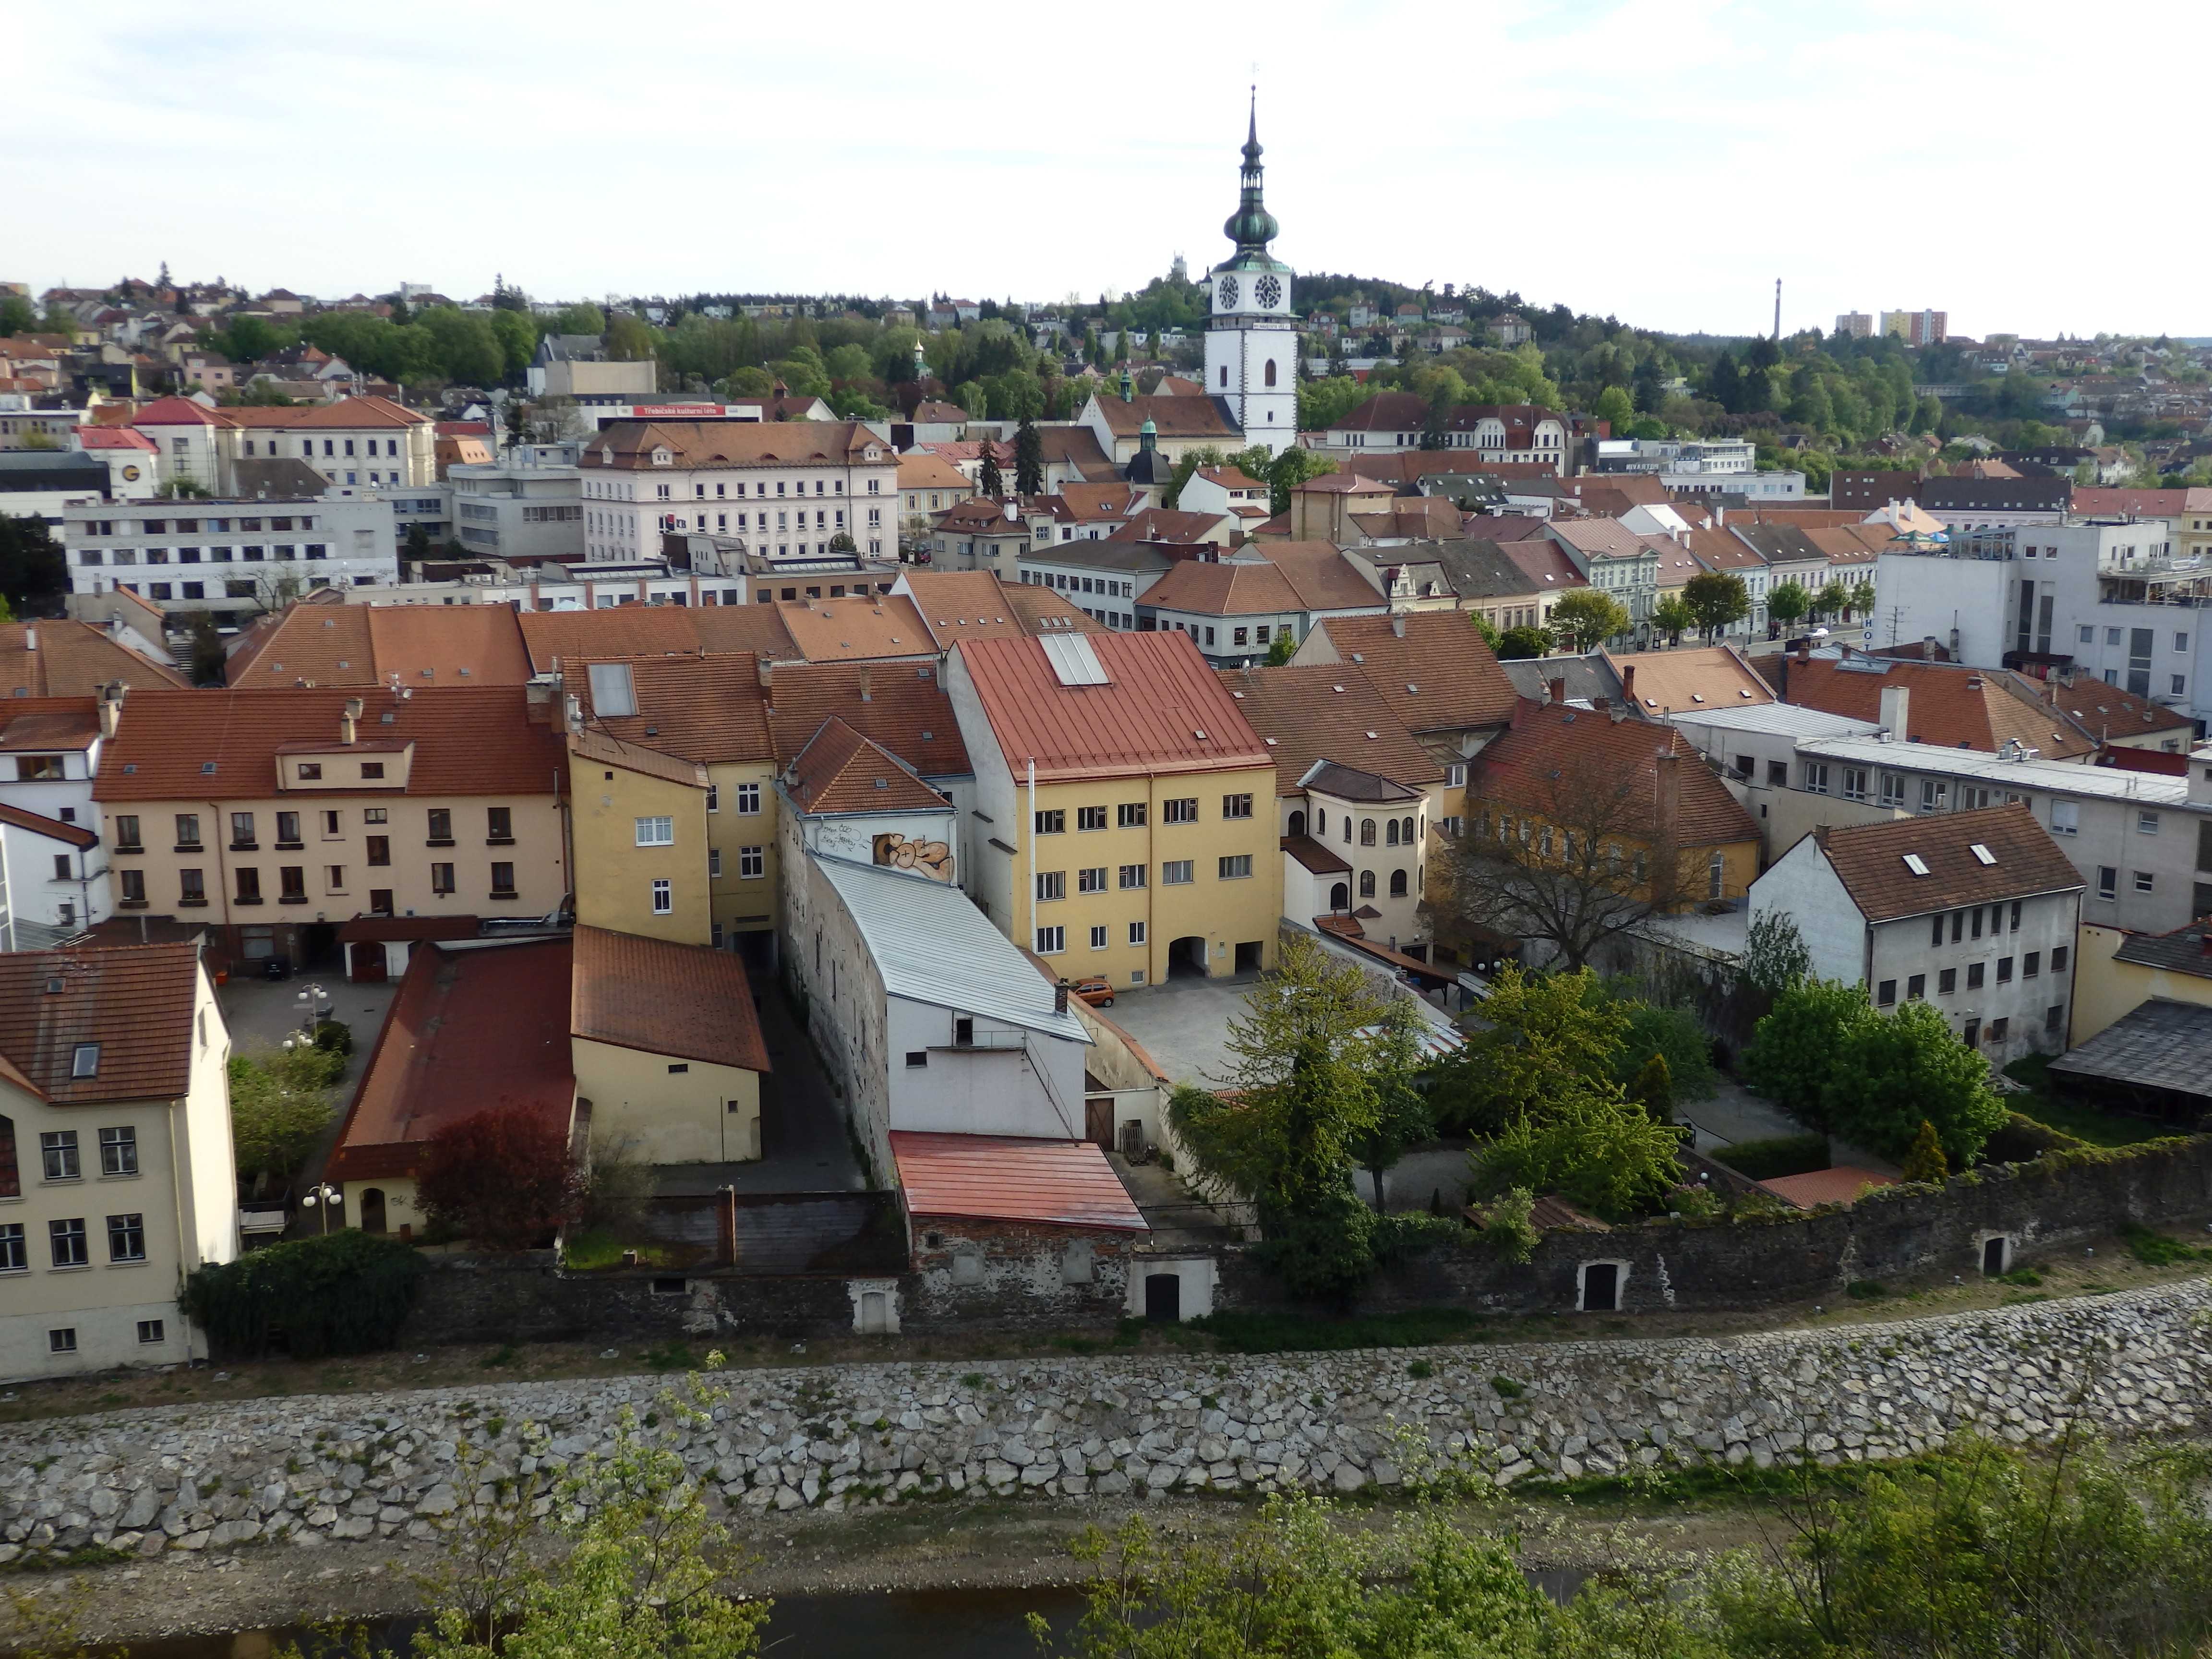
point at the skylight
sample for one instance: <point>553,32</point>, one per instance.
<point>1983,853</point>
<point>1915,863</point>
<point>84,1060</point>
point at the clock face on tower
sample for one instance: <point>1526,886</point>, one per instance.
<point>1267,292</point>
<point>1227,290</point>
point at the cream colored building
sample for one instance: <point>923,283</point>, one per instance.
<point>639,827</point>
<point>116,1175</point>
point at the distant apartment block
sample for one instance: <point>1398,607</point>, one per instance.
<point>1854,326</point>
<point>1917,328</point>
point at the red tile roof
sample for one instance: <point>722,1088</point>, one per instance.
<point>1869,860</point>
<point>867,628</point>
<point>71,660</point>
<point>1436,673</point>
<point>50,724</point>
<point>1539,764</point>
<point>468,741</point>
<point>352,413</point>
<point>841,771</point>
<point>472,1028</point>
<point>653,630</point>
<point>660,998</point>
<point>1201,587</point>
<point>134,1001</point>
<point>709,709</point>
<point>1328,712</point>
<point>1058,1183</point>
<point>1958,707</point>
<point>906,711</point>
<point>1844,1184</point>
<point>52,829</point>
<point>1160,709</point>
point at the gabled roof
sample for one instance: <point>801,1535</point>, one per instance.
<point>1062,1183</point>
<point>1951,707</point>
<point>1171,417</point>
<point>2184,951</point>
<point>2140,504</point>
<point>1386,411</point>
<point>1520,768</point>
<point>841,771</point>
<point>48,723</point>
<point>1601,538</point>
<point>1702,677</point>
<point>1355,783</point>
<point>652,630</point>
<point>1047,611</point>
<point>1870,860</point>
<point>865,628</point>
<point>1202,588</point>
<point>930,944</point>
<point>353,413</point>
<point>1328,712</point>
<point>906,711</point>
<point>708,709</point>
<point>1320,574</point>
<point>203,745</point>
<point>922,471</point>
<point>134,1002</point>
<point>1160,524</point>
<point>1101,501</point>
<point>1431,666</point>
<point>684,1000</point>
<point>326,643</point>
<point>1778,544</point>
<point>1158,708</point>
<point>66,658</point>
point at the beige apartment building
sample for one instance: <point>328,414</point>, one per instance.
<point>116,1177</point>
<point>270,817</point>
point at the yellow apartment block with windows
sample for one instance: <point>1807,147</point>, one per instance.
<point>1124,821</point>
<point>639,822</point>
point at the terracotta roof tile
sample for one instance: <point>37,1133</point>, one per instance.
<point>660,998</point>
<point>1869,860</point>
<point>709,709</point>
<point>1202,588</point>
<point>1437,674</point>
<point>1047,610</point>
<point>355,412</point>
<point>907,711</point>
<point>1702,677</point>
<point>1329,712</point>
<point>134,1001</point>
<point>1320,576</point>
<point>1841,1185</point>
<point>628,445</point>
<point>1950,707</point>
<point>841,771</point>
<point>1171,417</point>
<point>1159,710</point>
<point>652,630</point>
<point>337,644</point>
<point>602,750</point>
<point>1064,1183</point>
<point>869,628</point>
<point>50,723</point>
<point>71,660</point>
<point>1549,743</point>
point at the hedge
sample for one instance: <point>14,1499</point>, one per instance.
<point>1782,1155</point>
<point>346,1292</point>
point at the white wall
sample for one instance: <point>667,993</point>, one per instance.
<point>1032,1087</point>
<point>1804,886</point>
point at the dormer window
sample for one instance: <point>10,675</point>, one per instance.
<point>607,456</point>
<point>662,458</point>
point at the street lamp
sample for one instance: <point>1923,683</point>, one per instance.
<point>324,1198</point>
<point>311,1000</point>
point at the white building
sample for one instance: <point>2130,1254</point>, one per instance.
<point>1252,337</point>
<point>357,443</point>
<point>234,558</point>
<point>518,512</point>
<point>1974,912</point>
<point>53,869</point>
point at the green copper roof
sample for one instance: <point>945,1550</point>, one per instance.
<point>1251,227</point>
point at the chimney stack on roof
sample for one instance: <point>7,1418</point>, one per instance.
<point>111,707</point>
<point>867,683</point>
<point>1558,689</point>
<point>349,721</point>
<point>766,671</point>
<point>1896,706</point>
<point>30,639</point>
<point>1398,626</point>
<point>1628,682</point>
<point>1060,996</point>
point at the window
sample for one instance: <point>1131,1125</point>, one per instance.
<point>57,1154</point>
<point>441,878</point>
<point>1090,817</point>
<point>1893,789</point>
<point>2146,824</point>
<point>1936,938</point>
<point>1885,993</point>
<point>380,850</point>
<point>188,831</point>
<point>1816,777</point>
<point>2054,1016</point>
<point>1777,775</point>
<point>1051,884</point>
<point>2144,881</point>
<point>1237,807</point>
<point>917,1057</point>
<point>664,896</point>
<point>752,862</point>
<point>714,798</point>
<point>151,1330</point>
<point>1947,981</point>
<point>126,1237</point>
<point>1974,975</point>
<point>191,887</point>
<point>1367,883</point>
<point>126,833</point>
<point>2108,882</point>
<point>372,815</point>
<point>502,880</point>
<point>1051,941</point>
<point>1132,875</point>
<point>2031,965</point>
<point>292,884</point>
<point>2004,971</point>
<point>62,1341</point>
<point>1051,821</point>
<point>66,1240</point>
<point>379,901</point>
<point>2015,916</point>
<point>1915,987</point>
<point>2177,684</point>
<point>118,1152</point>
<point>1136,934</point>
<point>749,799</point>
<point>499,825</point>
<point>1092,880</point>
<point>656,832</point>
<point>1180,811</point>
<point>1236,868</point>
<point>1932,794</point>
<point>371,771</point>
<point>1176,872</point>
<point>1098,938</point>
<point>1130,815</point>
<point>2065,817</point>
<point>287,828</point>
<point>14,1254</point>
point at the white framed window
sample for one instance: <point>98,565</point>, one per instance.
<point>714,863</point>
<point>2146,824</point>
<point>664,896</point>
<point>749,799</point>
<point>1098,938</point>
<point>1051,941</point>
<point>1236,867</point>
<point>1136,933</point>
<point>2065,817</point>
<point>1051,884</point>
<point>656,832</point>
<point>752,862</point>
<point>1176,872</point>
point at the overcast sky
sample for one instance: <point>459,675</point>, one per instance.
<point>2027,166</point>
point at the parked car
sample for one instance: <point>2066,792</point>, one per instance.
<point>1096,990</point>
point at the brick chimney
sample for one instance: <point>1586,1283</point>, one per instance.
<point>766,671</point>
<point>1628,683</point>
<point>867,683</point>
<point>1666,818</point>
<point>1060,996</point>
<point>1557,688</point>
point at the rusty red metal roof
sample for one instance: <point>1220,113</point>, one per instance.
<point>1058,1183</point>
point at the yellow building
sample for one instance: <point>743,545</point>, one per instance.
<point>639,824</point>
<point>1124,821</point>
<point>2116,972</point>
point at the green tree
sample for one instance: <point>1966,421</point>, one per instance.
<point>1788,604</point>
<point>1861,597</point>
<point>1716,600</point>
<point>1517,644</point>
<point>631,339</point>
<point>1402,1117</point>
<point>1775,956</point>
<point>32,573</point>
<point>1653,1089</point>
<point>1293,467</point>
<point>582,317</point>
<point>1543,1036</point>
<point>1795,1047</point>
<point>1897,1072</point>
<point>974,402</point>
<point>1673,616</point>
<point>464,348</point>
<point>207,654</point>
<point>1830,599</point>
<point>1586,618</point>
<point>1616,405</point>
<point>1600,1151</point>
<point>280,1104</point>
<point>1673,1034</point>
<point>991,482</point>
<point>1925,1160</point>
<point>1029,458</point>
<point>1282,648</point>
<point>17,315</point>
<point>517,334</point>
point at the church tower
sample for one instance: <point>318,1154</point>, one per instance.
<point>1252,339</point>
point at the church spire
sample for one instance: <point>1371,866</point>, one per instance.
<point>1252,227</point>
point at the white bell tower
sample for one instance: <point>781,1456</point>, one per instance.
<point>1252,337</point>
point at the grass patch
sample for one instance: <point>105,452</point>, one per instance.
<point>1706,1482</point>
<point>668,1356</point>
<point>2021,1276</point>
<point>502,1355</point>
<point>595,1248</point>
<point>1280,1333</point>
<point>2044,1104</point>
<point>1507,1388</point>
<point>2157,1250</point>
<point>1421,1371</point>
<point>1866,1290</point>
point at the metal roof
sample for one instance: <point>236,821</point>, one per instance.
<point>2052,777</point>
<point>1787,719</point>
<point>1064,1183</point>
<point>932,945</point>
<point>2160,1044</point>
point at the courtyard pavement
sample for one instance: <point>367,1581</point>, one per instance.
<point>1185,1024</point>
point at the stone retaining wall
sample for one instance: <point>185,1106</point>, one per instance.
<point>314,1469</point>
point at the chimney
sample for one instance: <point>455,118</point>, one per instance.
<point>1804,652</point>
<point>1929,648</point>
<point>1820,835</point>
<point>1060,996</point>
<point>1666,815</point>
<point>1557,688</point>
<point>111,707</point>
<point>30,639</point>
<point>867,683</point>
<point>349,721</point>
<point>767,670</point>
<point>1628,683</point>
<point>1896,704</point>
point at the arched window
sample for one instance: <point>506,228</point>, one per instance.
<point>1406,831</point>
<point>1339,896</point>
<point>1297,823</point>
<point>1271,371</point>
<point>1367,832</point>
<point>1367,883</point>
<point>1397,884</point>
<point>1390,831</point>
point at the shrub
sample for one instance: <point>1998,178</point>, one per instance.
<point>1602,1152</point>
<point>1925,1161</point>
<point>1674,1033</point>
<point>1653,1089</point>
<point>1797,1048</point>
<point>346,1292</point>
<point>1782,1155</point>
<point>1507,1388</point>
<point>2021,1139</point>
<point>1865,1290</point>
<point>2157,1250</point>
<point>503,1178</point>
<point>334,1036</point>
<point>1508,1227</point>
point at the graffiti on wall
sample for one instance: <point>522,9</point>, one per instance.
<point>932,858</point>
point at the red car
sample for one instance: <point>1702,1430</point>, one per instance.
<point>1096,990</point>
